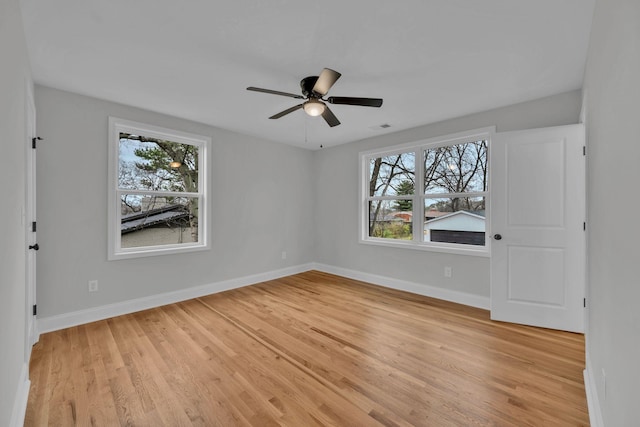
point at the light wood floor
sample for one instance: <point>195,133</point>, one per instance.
<point>307,350</point>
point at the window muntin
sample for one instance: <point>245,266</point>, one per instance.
<point>449,214</point>
<point>157,191</point>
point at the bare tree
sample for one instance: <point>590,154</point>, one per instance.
<point>457,168</point>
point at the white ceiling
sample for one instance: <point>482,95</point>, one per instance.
<point>429,59</point>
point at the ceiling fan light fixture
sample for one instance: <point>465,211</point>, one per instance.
<point>314,108</point>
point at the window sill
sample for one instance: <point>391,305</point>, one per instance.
<point>443,248</point>
<point>155,251</point>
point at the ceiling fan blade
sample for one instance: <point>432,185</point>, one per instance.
<point>326,79</point>
<point>330,118</point>
<point>287,111</point>
<point>275,92</point>
<point>347,100</point>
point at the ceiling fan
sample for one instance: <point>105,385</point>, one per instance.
<point>314,88</point>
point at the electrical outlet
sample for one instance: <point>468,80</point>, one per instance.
<point>93,286</point>
<point>284,255</point>
<point>448,272</point>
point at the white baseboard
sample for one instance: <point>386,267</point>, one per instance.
<point>22,395</point>
<point>593,402</point>
<point>415,288</point>
<point>33,336</point>
<point>67,320</point>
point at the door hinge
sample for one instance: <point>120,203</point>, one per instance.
<point>584,150</point>
<point>34,140</point>
<point>35,309</point>
<point>584,226</point>
<point>584,302</point>
<point>33,227</point>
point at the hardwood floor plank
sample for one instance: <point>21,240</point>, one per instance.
<point>311,349</point>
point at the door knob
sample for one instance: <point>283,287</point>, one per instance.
<point>497,236</point>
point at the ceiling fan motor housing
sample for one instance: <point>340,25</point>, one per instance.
<point>307,85</point>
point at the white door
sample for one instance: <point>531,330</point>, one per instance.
<point>30,224</point>
<point>537,226</point>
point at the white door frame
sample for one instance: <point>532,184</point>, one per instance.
<point>30,218</point>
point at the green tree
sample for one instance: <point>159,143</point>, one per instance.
<point>405,188</point>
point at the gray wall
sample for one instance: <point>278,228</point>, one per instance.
<point>612,89</point>
<point>337,198</point>
<point>14,75</point>
<point>262,204</point>
<point>267,198</point>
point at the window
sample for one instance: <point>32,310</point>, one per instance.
<point>430,195</point>
<point>390,203</point>
<point>157,197</point>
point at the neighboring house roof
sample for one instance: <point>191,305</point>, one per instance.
<point>139,220</point>
<point>459,221</point>
<point>402,215</point>
<point>394,216</point>
<point>435,214</point>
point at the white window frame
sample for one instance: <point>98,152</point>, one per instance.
<point>115,251</point>
<point>419,197</point>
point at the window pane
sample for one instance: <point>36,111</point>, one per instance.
<point>460,168</point>
<point>391,219</point>
<point>156,164</point>
<point>455,220</point>
<point>155,221</point>
<point>392,175</point>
